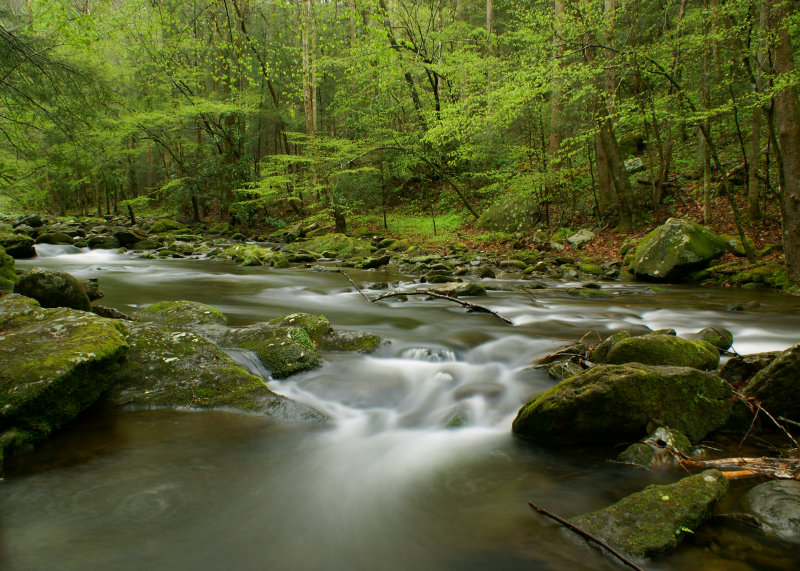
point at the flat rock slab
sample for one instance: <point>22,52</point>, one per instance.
<point>656,519</point>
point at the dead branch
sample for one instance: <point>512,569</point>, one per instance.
<point>582,532</point>
<point>358,289</point>
<point>471,307</point>
<point>751,402</point>
<point>777,468</point>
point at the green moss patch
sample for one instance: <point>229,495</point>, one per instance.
<point>182,314</point>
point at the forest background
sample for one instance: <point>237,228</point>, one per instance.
<point>258,112</point>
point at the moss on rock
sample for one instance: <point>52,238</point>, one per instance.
<point>325,338</point>
<point>282,350</point>
<point>8,276</point>
<point>182,314</point>
<point>343,245</point>
<point>617,403</point>
<point>53,288</point>
<point>656,519</point>
<point>180,369</point>
<point>664,350</point>
<point>55,364</point>
<point>777,386</point>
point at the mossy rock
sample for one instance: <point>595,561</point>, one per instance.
<point>660,447</point>
<point>617,403</point>
<point>284,351</point>
<point>344,246</point>
<point>600,352</point>
<point>588,293</point>
<point>56,364</point>
<point>676,249</point>
<point>325,338</point>
<point>182,314</point>
<point>512,213</point>
<point>719,337</point>
<point>769,274</point>
<point>664,350</point>
<point>58,238</point>
<point>656,519</point>
<point>253,255</point>
<point>8,275</point>
<point>103,243</point>
<point>180,369</point>
<point>17,246</point>
<point>740,368</point>
<point>375,262</point>
<point>53,288</point>
<point>149,244</point>
<point>777,386</point>
<point>166,225</point>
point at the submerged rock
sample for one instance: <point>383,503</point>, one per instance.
<point>180,369</point>
<point>617,403</point>
<point>674,250</point>
<point>53,288</point>
<point>56,363</point>
<point>656,519</point>
<point>776,504</point>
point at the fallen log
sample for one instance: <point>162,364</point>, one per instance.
<point>775,468</point>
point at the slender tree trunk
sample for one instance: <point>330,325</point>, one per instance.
<point>556,93</point>
<point>758,64</point>
<point>787,113</point>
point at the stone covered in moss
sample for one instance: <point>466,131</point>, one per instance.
<point>617,403</point>
<point>512,213</point>
<point>660,447</point>
<point>740,368</point>
<point>17,245</point>
<point>674,250</point>
<point>664,350</point>
<point>656,519</point>
<point>55,238</point>
<point>343,245</point>
<point>55,364</point>
<point>283,351</point>
<point>8,276</point>
<point>166,225</point>
<point>777,386</point>
<point>180,369</point>
<point>600,352</point>
<point>719,337</point>
<point>182,314</point>
<point>253,255</point>
<point>53,288</point>
<point>325,338</point>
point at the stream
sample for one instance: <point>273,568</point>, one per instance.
<point>382,485</point>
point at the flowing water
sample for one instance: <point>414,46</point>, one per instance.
<point>384,484</point>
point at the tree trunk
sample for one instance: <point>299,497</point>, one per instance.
<point>787,113</point>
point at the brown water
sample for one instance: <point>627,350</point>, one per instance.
<point>383,485</point>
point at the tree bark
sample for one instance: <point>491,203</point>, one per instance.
<point>787,113</point>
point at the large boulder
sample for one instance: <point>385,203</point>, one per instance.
<point>656,519</point>
<point>254,255</point>
<point>8,276</point>
<point>17,245</point>
<point>60,238</point>
<point>56,363</point>
<point>664,350</point>
<point>674,250</point>
<point>167,368</point>
<point>776,504</point>
<point>619,403</point>
<point>777,386</point>
<point>284,351</point>
<point>53,288</point>
<point>512,213</point>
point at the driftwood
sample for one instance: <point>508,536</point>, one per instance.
<point>583,533</point>
<point>471,307</point>
<point>777,468</point>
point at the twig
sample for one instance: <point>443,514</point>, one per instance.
<point>470,306</point>
<point>582,532</point>
<point>789,420</point>
<point>354,285</point>
<point>772,418</point>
